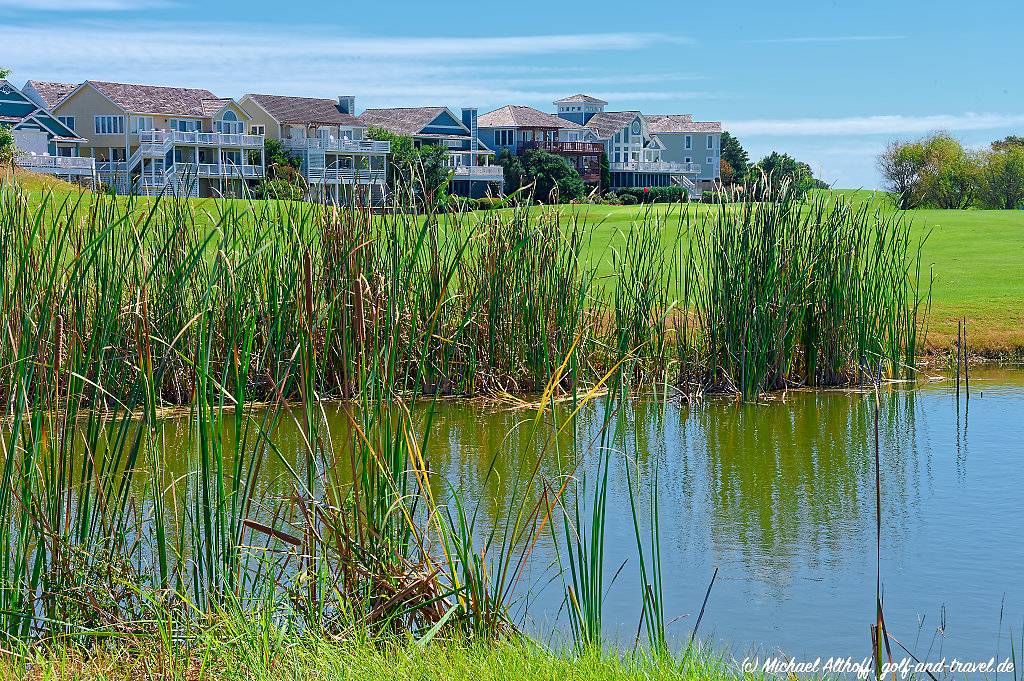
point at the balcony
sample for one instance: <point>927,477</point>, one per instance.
<point>347,176</point>
<point>203,139</point>
<point>656,167</point>
<point>592,148</point>
<point>482,173</point>
<point>346,146</point>
<point>57,165</point>
<point>220,170</point>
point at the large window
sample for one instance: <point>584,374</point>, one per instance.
<point>504,138</point>
<point>229,123</point>
<point>68,121</point>
<point>140,123</point>
<point>109,125</point>
<point>184,124</point>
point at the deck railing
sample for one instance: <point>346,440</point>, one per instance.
<point>655,167</point>
<point>220,139</point>
<point>562,147</point>
<point>340,145</point>
<point>57,165</point>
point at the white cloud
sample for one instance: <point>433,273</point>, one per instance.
<point>874,125</point>
<point>76,6</point>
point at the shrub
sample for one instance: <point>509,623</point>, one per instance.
<point>278,189</point>
<point>627,199</point>
<point>490,203</point>
<point>708,196</point>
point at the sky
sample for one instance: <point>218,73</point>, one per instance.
<point>828,82</point>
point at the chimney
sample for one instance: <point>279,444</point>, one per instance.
<point>347,105</point>
<point>469,120</point>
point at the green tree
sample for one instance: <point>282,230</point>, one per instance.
<point>735,155</point>
<point>402,158</point>
<point>1002,177</point>
<point>902,165</point>
<point>1008,141</point>
<point>513,169</point>
<point>950,176</point>
<point>4,73</point>
<point>8,149</point>
<point>279,159</point>
<point>434,171</point>
<point>550,172</point>
<point>606,172</point>
<point>775,170</point>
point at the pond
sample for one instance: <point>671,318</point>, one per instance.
<point>780,498</point>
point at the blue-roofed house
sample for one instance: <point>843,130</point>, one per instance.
<point>470,159</point>
<point>44,143</point>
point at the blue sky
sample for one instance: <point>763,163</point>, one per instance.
<point>829,82</point>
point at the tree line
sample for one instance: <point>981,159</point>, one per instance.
<point>939,172</point>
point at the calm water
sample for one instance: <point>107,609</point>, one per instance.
<point>780,497</point>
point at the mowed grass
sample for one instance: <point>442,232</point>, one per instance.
<point>977,257</point>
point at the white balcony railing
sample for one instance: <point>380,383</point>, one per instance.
<point>347,176</point>
<point>483,173</point>
<point>656,167</point>
<point>219,170</point>
<point>219,139</point>
<point>347,146</point>
<point>57,165</point>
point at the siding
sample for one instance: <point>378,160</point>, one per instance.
<point>84,105</point>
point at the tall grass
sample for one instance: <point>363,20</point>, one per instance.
<point>114,312</point>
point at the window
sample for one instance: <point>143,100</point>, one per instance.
<point>184,124</point>
<point>711,142</point>
<point>109,125</point>
<point>229,123</point>
<point>688,142</point>
<point>117,154</point>
<point>688,159</point>
<point>68,121</point>
<point>257,130</point>
<point>504,138</point>
<point>142,123</point>
<point>710,161</point>
<point>64,151</point>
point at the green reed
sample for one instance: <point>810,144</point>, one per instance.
<point>114,311</point>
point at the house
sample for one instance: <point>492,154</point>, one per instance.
<point>685,140</point>
<point>149,139</point>
<point>328,138</point>
<point>470,160</point>
<point>641,149</point>
<point>517,129</point>
<point>44,143</point>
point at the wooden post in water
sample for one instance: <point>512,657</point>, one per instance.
<point>967,365</point>
<point>959,331</point>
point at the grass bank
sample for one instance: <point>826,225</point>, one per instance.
<point>233,652</point>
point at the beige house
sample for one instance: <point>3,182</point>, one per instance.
<point>337,160</point>
<point>149,139</point>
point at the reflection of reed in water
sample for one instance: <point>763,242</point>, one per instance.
<point>791,482</point>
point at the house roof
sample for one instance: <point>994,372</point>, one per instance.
<point>680,123</point>
<point>608,123</point>
<point>304,110</point>
<point>572,99</point>
<point>514,116</point>
<point>403,120</point>
<point>51,92</point>
<point>157,99</point>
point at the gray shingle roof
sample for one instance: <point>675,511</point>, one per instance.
<point>402,121</point>
<point>51,92</point>
<point>608,123</point>
<point>680,123</point>
<point>514,116</point>
<point>304,110</point>
<point>572,99</point>
<point>157,99</point>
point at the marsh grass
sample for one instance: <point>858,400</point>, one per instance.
<point>112,312</point>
